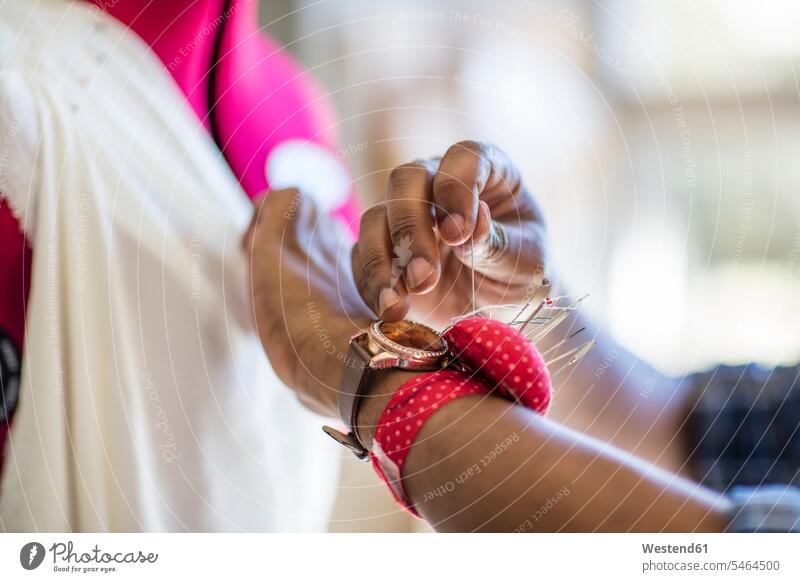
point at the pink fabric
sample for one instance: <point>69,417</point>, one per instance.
<point>176,33</point>
<point>262,97</point>
<point>15,263</point>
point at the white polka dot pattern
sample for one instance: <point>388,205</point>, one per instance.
<point>496,356</point>
<point>505,358</point>
<point>403,418</point>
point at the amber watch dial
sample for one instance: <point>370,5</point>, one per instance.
<point>406,344</point>
<point>412,335</point>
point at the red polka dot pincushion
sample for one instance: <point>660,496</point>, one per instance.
<point>503,357</point>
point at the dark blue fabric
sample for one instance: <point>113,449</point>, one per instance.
<point>745,427</point>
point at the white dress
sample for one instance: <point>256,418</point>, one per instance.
<point>146,401</point>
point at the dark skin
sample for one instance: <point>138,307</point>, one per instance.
<point>607,489</point>
<point>304,267</point>
<point>312,290</point>
<point>472,201</point>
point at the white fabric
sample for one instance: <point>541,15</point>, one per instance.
<point>146,402</point>
<point>287,166</point>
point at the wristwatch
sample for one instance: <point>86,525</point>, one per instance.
<point>401,344</point>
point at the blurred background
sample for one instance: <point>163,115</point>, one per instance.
<point>662,139</point>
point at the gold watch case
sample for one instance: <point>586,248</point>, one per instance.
<point>405,344</point>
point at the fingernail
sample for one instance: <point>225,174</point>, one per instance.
<point>417,272</point>
<point>386,299</point>
<point>465,249</point>
<point>453,228</point>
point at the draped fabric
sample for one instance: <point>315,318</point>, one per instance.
<point>146,402</point>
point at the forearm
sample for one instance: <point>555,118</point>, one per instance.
<point>486,464</point>
<point>305,305</point>
<point>616,397</point>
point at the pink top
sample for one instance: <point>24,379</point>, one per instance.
<point>261,98</point>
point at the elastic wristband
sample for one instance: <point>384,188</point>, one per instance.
<point>405,415</point>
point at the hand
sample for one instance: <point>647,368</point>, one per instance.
<point>440,218</point>
<point>305,303</point>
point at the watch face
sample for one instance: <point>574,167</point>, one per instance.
<point>406,344</point>
<point>412,335</point>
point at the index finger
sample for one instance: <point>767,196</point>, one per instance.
<point>461,177</point>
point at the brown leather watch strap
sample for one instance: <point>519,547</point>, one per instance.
<point>356,375</point>
<point>364,358</point>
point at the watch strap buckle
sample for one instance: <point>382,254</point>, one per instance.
<point>348,440</point>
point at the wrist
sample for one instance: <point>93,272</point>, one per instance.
<point>375,398</point>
